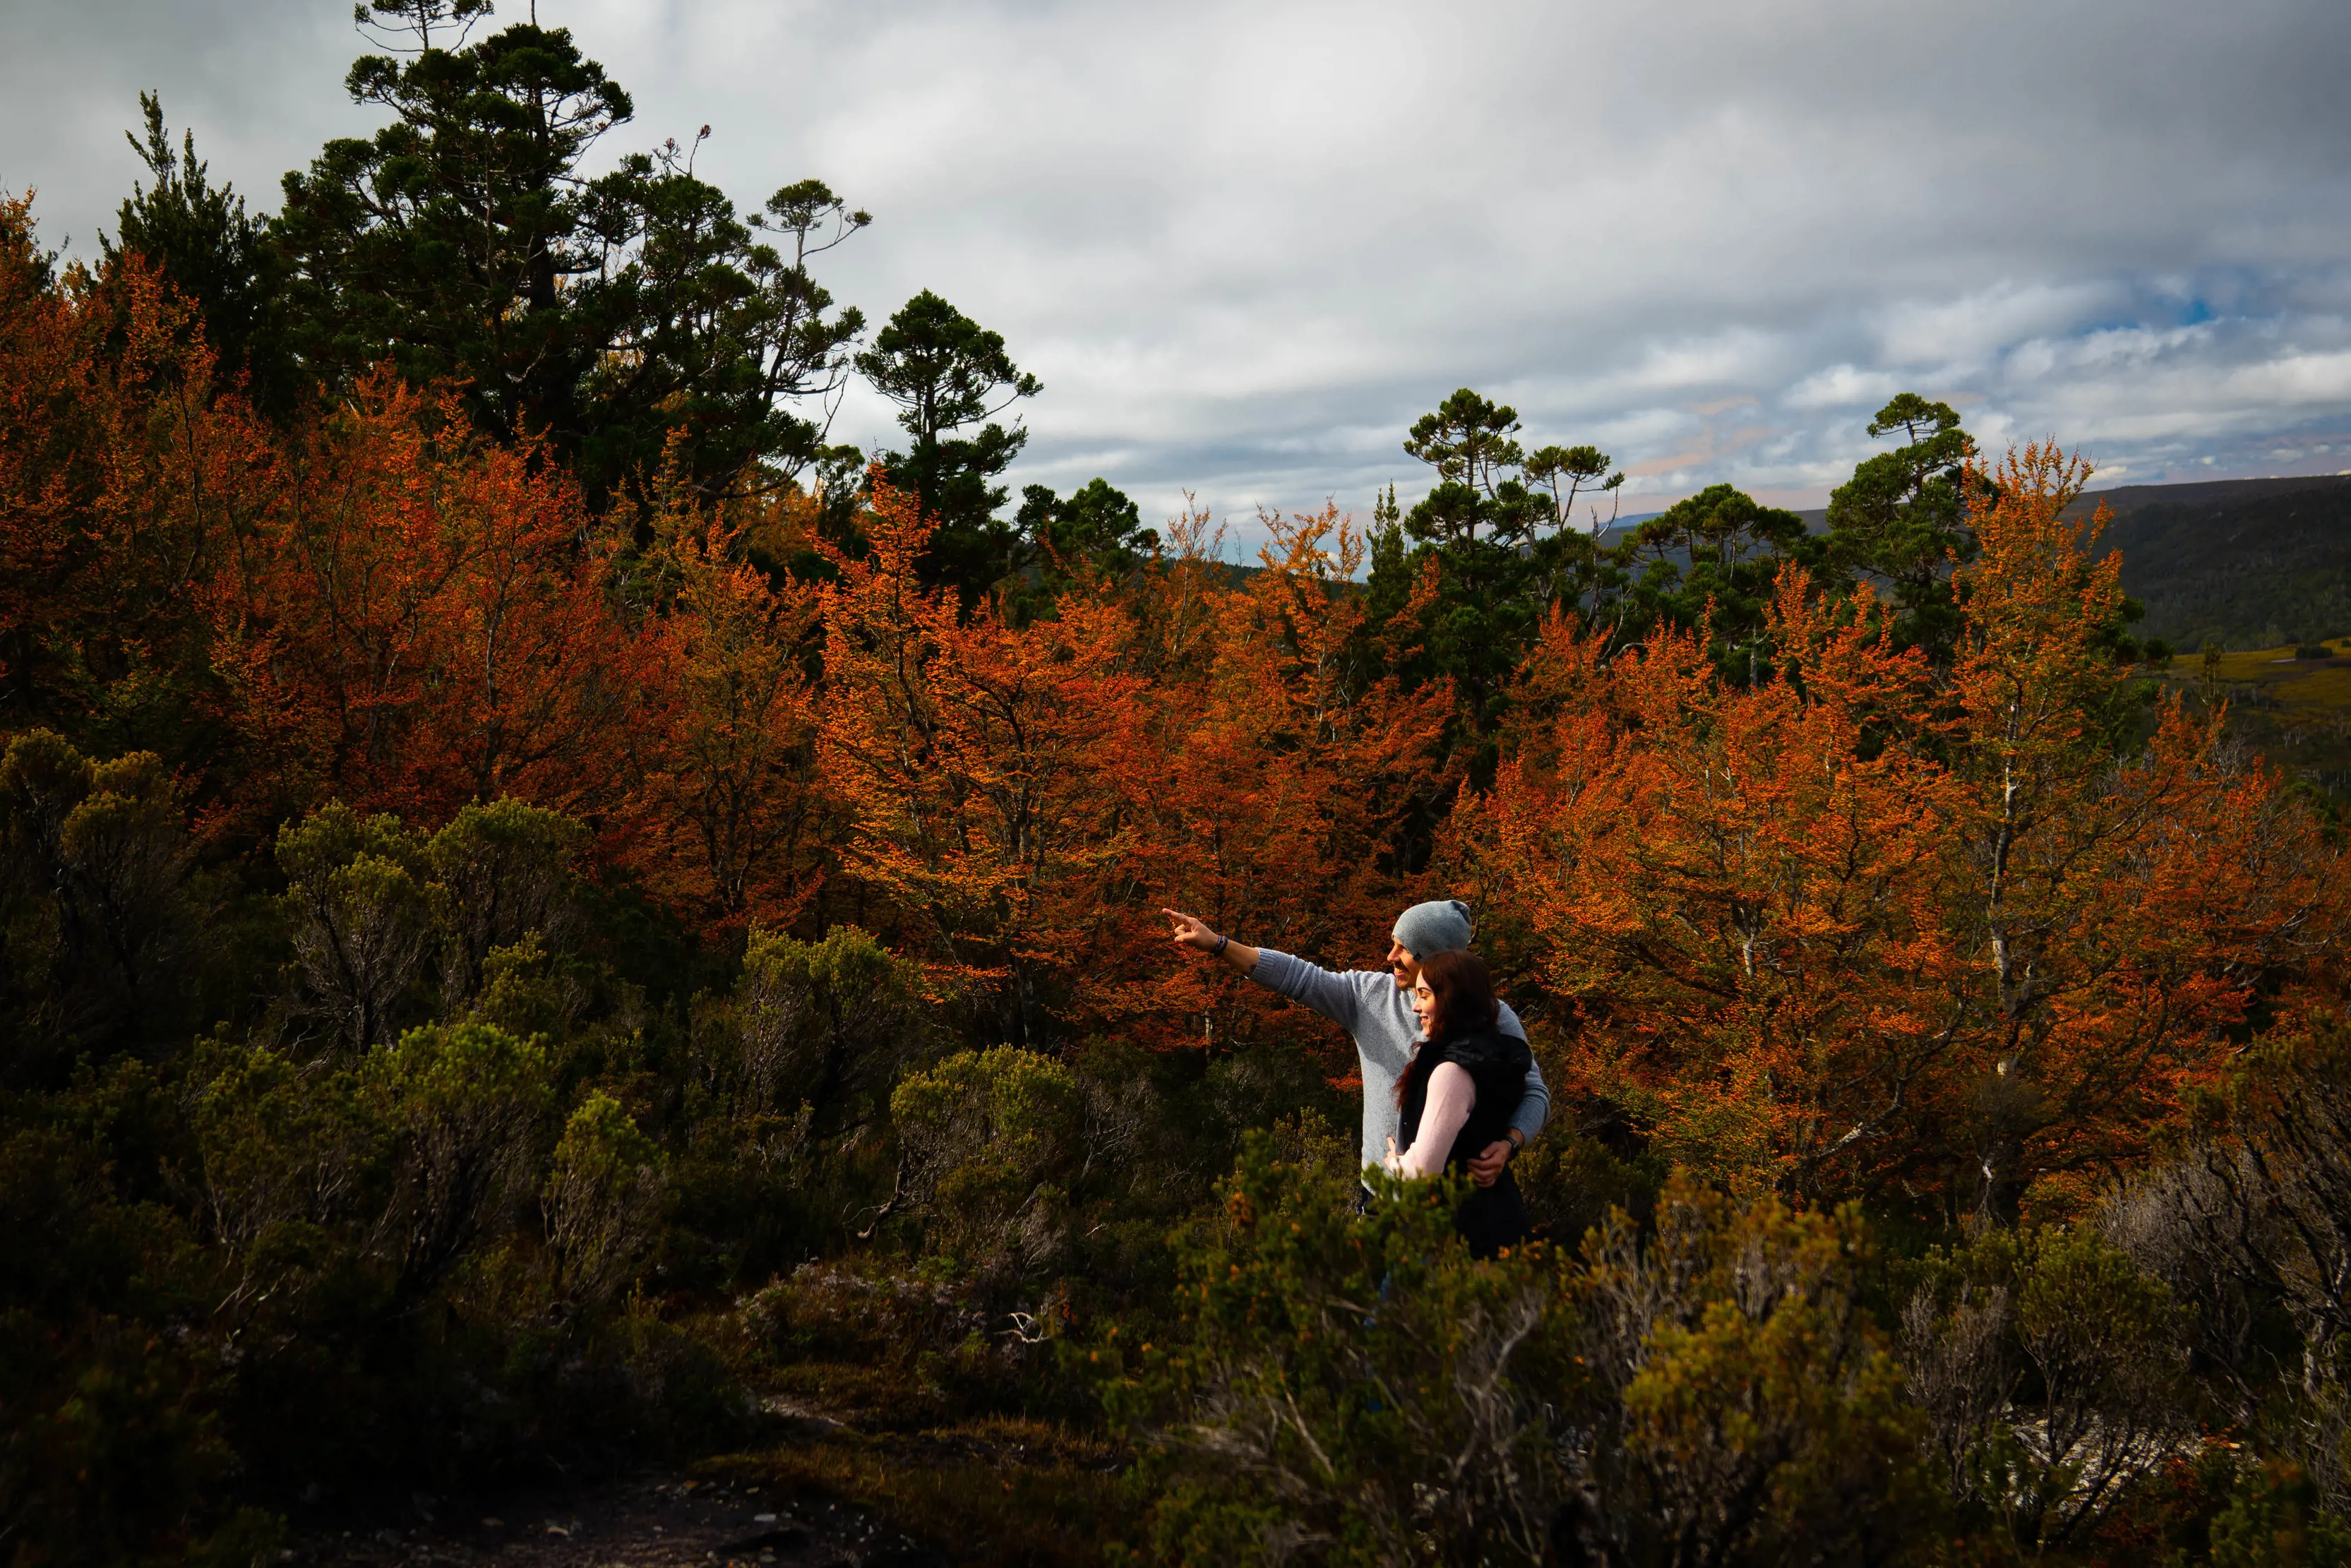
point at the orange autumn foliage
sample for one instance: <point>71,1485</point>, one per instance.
<point>1979,937</point>
<point>2124,920</point>
<point>416,618</point>
<point>1288,770</point>
<point>986,770</point>
<point>729,817</point>
<point>1027,796</point>
<point>1842,930</point>
<point>114,465</point>
<point>1737,896</point>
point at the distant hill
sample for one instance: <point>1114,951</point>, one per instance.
<point>2249,563</point>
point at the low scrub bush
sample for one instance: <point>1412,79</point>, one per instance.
<point>1347,1386</point>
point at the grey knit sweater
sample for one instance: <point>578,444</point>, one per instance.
<point>1379,1018</point>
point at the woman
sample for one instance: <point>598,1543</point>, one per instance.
<point>1458,1094</point>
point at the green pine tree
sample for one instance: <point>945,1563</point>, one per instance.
<point>465,242</point>
<point>213,252</point>
<point>946,373</point>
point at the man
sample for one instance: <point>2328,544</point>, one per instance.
<point>1375,1006</point>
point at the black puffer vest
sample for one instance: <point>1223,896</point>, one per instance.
<point>1493,1217</point>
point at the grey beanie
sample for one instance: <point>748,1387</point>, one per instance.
<point>1440,926</point>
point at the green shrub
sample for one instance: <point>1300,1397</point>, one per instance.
<point>989,1140</point>
<point>285,1150</point>
<point>1352,1388</point>
<point>2051,1372</point>
<point>249,1538</point>
<point>1747,1410</point>
<point>1572,1183</point>
<point>783,1085</point>
<point>381,1225</point>
<point>822,1023</point>
<point>111,1442</point>
<point>466,1106</point>
<point>2273,1520</point>
<point>102,934</point>
<point>355,902</point>
<point>501,873</point>
<point>603,1201</point>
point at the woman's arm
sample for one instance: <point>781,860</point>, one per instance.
<point>1451,1096</point>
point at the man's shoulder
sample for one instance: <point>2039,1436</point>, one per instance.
<point>1368,980</point>
<point>1507,1023</point>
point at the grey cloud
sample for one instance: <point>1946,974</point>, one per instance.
<point>1245,244</point>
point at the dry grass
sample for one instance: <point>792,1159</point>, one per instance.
<point>869,1398</point>
<point>996,1492</point>
<point>2318,683</point>
<point>2295,712</point>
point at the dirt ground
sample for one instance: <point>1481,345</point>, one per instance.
<point>658,1522</point>
<point>837,1480</point>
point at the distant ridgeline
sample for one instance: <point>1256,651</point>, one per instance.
<point>2248,563</point>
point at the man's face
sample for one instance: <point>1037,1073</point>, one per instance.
<point>1403,965</point>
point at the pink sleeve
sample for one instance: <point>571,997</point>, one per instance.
<point>1450,1096</point>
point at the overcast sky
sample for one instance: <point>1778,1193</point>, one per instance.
<point>1244,245</point>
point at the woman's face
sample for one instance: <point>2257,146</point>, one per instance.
<point>1423,1002</point>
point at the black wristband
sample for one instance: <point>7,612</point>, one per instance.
<point>1219,953</point>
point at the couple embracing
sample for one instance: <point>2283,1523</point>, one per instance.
<point>1448,1081</point>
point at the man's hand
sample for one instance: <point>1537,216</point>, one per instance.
<point>1486,1168</point>
<point>1191,932</point>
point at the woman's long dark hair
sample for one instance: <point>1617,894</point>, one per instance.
<point>1465,1003</point>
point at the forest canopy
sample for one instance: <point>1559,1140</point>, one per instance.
<point>544,895</point>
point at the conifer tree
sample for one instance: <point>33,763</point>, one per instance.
<point>1902,519</point>
<point>214,253</point>
<point>1496,531</point>
<point>1094,527</point>
<point>1710,560</point>
<point>465,242</point>
<point>946,372</point>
